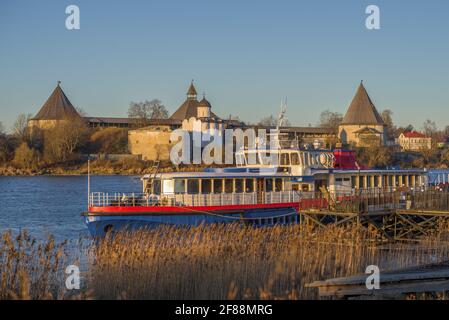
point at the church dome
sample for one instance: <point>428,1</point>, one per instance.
<point>204,103</point>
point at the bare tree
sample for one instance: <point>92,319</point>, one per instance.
<point>6,148</point>
<point>144,111</point>
<point>429,127</point>
<point>20,128</point>
<point>408,128</point>
<point>61,142</point>
<point>330,119</point>
<point>446,131</point>
<point>272,121</point>
<point>269,121</point>
<point>25,157</point>
<point>375,155</point>
<point>387,117</point>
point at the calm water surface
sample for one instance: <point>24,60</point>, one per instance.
<point>52,204</point>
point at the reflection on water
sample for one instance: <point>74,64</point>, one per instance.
<point>52,204</point>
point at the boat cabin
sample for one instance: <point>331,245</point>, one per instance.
<point>296,162</point>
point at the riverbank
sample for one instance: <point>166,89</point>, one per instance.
<point>97,167</point>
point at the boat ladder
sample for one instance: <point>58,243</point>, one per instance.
<point>155,171</point>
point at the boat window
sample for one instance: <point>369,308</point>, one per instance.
<point>228,186</point>
<point>168,185</point>
<point>305,187</point>
<point>218,186</point>
<point>206,186</point>
<point>295,187</point>
<point>341,180</point>
<point>267,158</point>
<point>295,158</point>
<point>157,186</point>
<point>193,186</point>
<point>249,185</point>
<point>278,184</point>
<point>353,181</point>
<point>238,185</point>
<point>180,186</point>
<point>304,159</point>
<point>285,160</point>
<point>269,185</point>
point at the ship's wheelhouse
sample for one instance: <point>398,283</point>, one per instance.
<point>284,158</point>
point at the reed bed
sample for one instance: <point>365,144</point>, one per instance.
<point>240,262</point>
<point>229,261</point>
<point>30,269</point>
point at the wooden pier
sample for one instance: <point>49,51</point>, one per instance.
<point>398,215</point>
<point>423,282</point>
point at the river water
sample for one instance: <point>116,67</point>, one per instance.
<point>47,205</point>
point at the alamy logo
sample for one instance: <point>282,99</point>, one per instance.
<point>218,147</point>
<point>208,146</point>
<point>73,280</point>
<point>373,20</point>
<point>373,280</point>
<point>72,22</point>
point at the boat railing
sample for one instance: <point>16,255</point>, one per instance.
<point>360,201</point>
<point>102,199</point>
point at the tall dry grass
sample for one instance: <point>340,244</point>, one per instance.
<point>206,262</point>
<point>30,269</point>
<point>238,262</point>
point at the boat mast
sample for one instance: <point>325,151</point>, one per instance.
<point>88,183</point>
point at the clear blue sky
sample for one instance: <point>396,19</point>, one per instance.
<point>246,56</point>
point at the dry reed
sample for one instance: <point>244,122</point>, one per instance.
<point>207,262</point>
<point>30,269</point>
<point>238,262</point>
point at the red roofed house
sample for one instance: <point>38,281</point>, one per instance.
<point>414,141</point>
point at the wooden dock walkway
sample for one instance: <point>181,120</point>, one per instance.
<point>399,215</point>
<point>428,281</point>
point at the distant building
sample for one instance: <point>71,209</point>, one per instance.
<point>58,108</point>
<point>414,141</point>
<point>362,125</point>
<point>55,110</point>
<point>152,142</point>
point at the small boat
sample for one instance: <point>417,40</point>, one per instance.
<point>260,194</point>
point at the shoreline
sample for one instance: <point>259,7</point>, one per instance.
<point>95,170</point>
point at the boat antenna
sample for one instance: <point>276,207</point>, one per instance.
<point>282,114</point>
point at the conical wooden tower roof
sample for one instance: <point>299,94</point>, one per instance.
<point>57,107</point>
<point>190,106</point>
<point>362,110</point>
